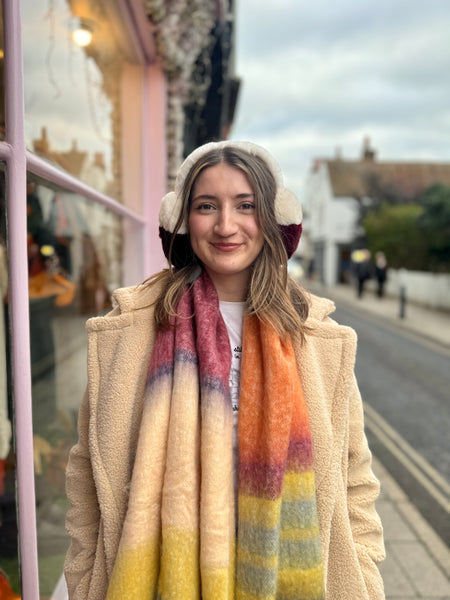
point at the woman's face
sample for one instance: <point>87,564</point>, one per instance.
<point>223,229</point>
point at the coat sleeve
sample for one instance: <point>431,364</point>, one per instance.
<point>83,515</point>
<point>82,520</point>
<point>362,491</point>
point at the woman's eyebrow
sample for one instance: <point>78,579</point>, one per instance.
<point>244,195</point>
<point>204,197</point>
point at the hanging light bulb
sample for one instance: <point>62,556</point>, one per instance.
<point>82,36</point>
<point>82,31</point>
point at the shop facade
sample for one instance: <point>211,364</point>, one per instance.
<point>83,166</point>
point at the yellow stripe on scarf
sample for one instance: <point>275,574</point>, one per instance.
<point>299,535</point>
<point>298,583</point>
<point>259,511</point>
<point>180,576</point>
<point>218,583</point>
<point>265,562</point>
<point>135,572</point>
<point>299,486</point>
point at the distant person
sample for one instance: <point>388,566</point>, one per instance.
<point>222,452</point>
<point>363,270</point>
<point>311,269</point>
<point>346,271</point>
<point>381,267</point>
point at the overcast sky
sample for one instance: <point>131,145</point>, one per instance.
<point>317,75</point>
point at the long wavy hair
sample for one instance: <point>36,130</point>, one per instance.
<point>272,295</point>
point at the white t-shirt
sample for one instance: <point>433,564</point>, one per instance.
<point>233,313</point>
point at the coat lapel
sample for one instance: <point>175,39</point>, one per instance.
<point>325,362</point>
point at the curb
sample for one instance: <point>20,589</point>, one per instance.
<point>418,524</point>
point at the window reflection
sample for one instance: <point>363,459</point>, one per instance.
<point>2,87</point>
<point>74,262</point>
<point>74,258</point>
<point>72,92</point>
<point>9,564</point>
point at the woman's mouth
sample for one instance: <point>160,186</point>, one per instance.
<point>226,247</point>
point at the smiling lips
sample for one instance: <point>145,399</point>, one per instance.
<point>223,247</point>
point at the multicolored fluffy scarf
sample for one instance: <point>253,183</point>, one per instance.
<point>179,536</point>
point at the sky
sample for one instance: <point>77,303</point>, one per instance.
<point>322,75</point>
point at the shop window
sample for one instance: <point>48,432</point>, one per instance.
<point>9,564</point>
<point>2,87</point>
<point>74,257</point>
<point>73,69</point>
<point>74,263</point>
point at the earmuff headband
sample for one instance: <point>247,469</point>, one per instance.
<point>288,211</point>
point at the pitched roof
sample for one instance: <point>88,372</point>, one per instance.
<point>72,161</point>
<point>359,178</point>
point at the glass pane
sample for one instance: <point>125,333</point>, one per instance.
<point>74,258</point>
<point>9,562</point>
<point>72,90</point>
<point>2,86</point>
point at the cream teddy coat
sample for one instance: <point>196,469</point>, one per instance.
<point>101,464</point>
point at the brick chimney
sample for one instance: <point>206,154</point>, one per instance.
<point>368,153</point>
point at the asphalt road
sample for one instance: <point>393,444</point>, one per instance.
<point>405,384</point>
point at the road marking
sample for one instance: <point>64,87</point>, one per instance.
<point>390,323</point>
<point>419,467</point>
<point>409,450</point>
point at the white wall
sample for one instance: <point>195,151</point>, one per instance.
<point>428,289</point>
<point>330,220</point>
<point>342,218</point>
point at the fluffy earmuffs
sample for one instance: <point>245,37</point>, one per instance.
<point>288,211</point>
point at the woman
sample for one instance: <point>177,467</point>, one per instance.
<point>222,450</point>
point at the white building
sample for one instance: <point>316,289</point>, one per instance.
<point>335,190</point>
<point>329,226</point>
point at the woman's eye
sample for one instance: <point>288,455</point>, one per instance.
<point>247,206</point>
<point>206,206</point>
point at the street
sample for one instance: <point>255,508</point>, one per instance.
<point>405,381</point>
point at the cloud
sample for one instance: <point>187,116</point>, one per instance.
<point>320,75</point>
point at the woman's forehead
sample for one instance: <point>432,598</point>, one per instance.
<point>222,177</point>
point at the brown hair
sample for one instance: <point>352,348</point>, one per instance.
<point>272,296</point>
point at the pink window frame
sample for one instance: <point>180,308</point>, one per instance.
<point>18,160</point>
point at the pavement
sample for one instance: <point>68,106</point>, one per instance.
<point>431,324</point>
<point>417,564</point>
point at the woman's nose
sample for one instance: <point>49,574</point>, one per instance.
<point>226,223</point>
